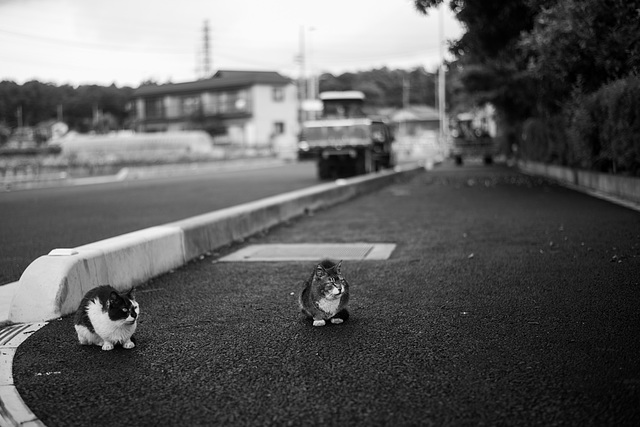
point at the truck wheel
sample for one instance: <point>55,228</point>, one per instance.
<point>363,163</point>
<point>369,162</point>
<point>388,161</point>
<point>458,160</point>
<point>324,170</point>
<point>358,166</point>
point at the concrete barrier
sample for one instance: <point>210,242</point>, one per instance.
<point>623,187</point>
<point>126,142</point>
<point>53,285</point>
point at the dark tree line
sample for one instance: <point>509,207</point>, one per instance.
<point>35,102</point>
<point>385,87</point>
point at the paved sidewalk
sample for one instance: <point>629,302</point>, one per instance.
<point>508,300</point>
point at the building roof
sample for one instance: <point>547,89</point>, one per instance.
<point>222,79</point>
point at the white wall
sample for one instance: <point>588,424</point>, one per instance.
<point>140,113</point>
<point>171,104</point>
<point>266,112</point>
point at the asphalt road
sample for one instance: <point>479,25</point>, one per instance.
<point>508,301</point>
<point>33,222</point>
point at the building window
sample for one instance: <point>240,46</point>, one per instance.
<point>189,105</point>
<point>241,101</point>
<point>278,128</point>
<point>278,94</point>
<point>223,102</point>
<point>210,103</point>
<point>153,108</point>
<point>227,102</point>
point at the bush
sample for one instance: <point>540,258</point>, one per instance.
<point>598,131</point>
<point>544,140</point>
<point>604,130</point>
<point>582,132</point>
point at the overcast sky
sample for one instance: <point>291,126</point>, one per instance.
<point>128,41</point>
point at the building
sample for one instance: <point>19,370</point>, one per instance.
<point>242,108</point>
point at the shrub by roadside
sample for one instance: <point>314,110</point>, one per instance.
<point>598,131</point>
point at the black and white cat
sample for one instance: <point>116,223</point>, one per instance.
<point>106,317</point>
<point>325,294</point>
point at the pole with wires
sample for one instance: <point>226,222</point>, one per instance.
<point>441,82</point>
<point>206,58</point>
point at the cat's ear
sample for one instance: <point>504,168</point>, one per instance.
<point>132,293</point>
<point>320,271</point>
<point>113,297</point>
<point>338,266</point>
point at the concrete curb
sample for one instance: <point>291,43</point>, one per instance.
<point>53,285</point>
<point>622,188</point>
<point>13,411</point>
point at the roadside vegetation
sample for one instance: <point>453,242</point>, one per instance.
<point>562,74</point>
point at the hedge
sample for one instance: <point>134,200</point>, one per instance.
<point>598,131</point>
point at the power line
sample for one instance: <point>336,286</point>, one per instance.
<point>90,45</point>
<point>379,57</point>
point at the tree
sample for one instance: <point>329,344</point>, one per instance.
<point>9,103</point>
<point>490,62</point>
<point>528,56</point>
<point>582,44</point>
<point>384,87</point>
<point>39,102</point>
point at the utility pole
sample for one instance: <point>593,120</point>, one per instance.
<point>311,83</point>
<point>206,58</point>
<point>405,92</point>
<point>441,82</point>
<point>303,65</point>
<point>302,86</point>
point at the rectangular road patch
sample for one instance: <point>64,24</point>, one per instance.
<point>311,252</point>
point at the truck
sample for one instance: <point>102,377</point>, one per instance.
<point>344,140</point>
<point>470,137</point>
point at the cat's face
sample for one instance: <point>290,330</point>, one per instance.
<point>329,282</point>
<point>123,308</point>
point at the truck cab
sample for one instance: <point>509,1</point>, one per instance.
<point>470,137</point>
<point>345,141</point>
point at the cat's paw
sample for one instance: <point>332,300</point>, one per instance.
<point>107,346</point>
<point>128,345</point>
<point>319,322</point>
<point>336,321</point>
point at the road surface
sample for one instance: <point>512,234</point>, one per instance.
<point>508,301</point>
<point>33,222</point>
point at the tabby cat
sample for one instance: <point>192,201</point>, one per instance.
<point>106,317</point>
<point>325,294</point>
